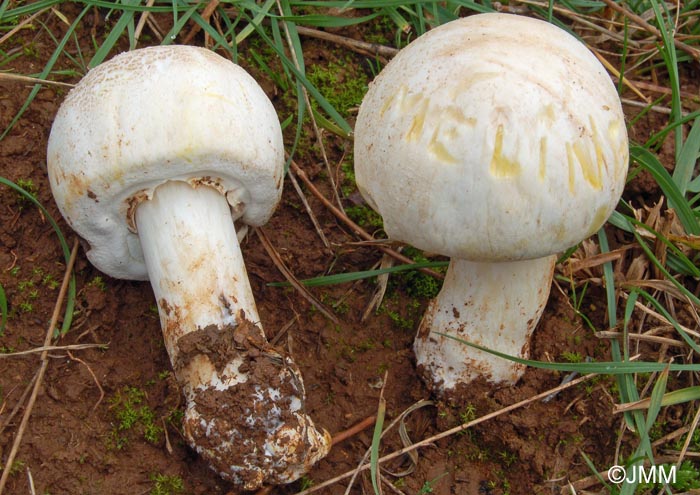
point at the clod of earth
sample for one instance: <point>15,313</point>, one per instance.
<point>498,140</point>
<point>151,159</point>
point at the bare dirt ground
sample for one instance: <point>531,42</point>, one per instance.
<point>107,419</point>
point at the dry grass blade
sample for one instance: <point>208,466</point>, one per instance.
<point>688,438</point>
<point>652,108</point>
<point>16,78</point>
<point>206,15</point>
<point>611,68</point>
<point>277,260</point>
<point>406,440</point>
<point>142,20</point>
<point>452,431</point>
<point>607,334</point>
<point>21,25</point>
<point>42,367</point>
<point>584,483</point>
<point>94,377</point>
<point>359,46</point>
<point>396,421</point>
<point>51,348</point>
<point>693,52</point>
<point>308,209</point>
<point>314,124</point>
<point>661,318</point>
<point>574,265</point>
<point>30,480</point>
<point>8,419</point>
<point>379,291</point>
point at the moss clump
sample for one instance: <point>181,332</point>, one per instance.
<point>341,83</point>
<point>166,485</point>
<point>416,283</point>
<point>131,413</point>
<point>364,216</point>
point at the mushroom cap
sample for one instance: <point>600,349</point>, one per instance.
<point>490,138</point>
<point>153,115</point>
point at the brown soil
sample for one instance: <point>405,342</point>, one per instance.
<point>233,420</point>
<point>75,442</point>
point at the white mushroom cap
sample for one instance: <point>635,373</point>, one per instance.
<point>113,143</point>
<point>491,138</point>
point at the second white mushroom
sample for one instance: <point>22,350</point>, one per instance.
<point>497,140</point>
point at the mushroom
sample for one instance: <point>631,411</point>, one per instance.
<point>151,158</point>
<point>497,140</point>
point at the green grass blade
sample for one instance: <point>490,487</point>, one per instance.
<point>180,22</point>
<point>219,39</point>
<point>70,297</point>
<point>668,52</point>
<point>376,440</point>
<point>625,382</point>
<point>602,367</point>
<point>299,75</point>
<point>664,312</point>
<point>326,21</point>
<point>655,405</point>
<point>299,63</point>
<point>12,15</point>
<point>676,259</point>
<point>342,278</point>
<point>47,70</point>
<point>650,254</point>
<point>594,470</point>
<point>652,164</point>
<point>126,17</point>
<point>681,396</point>
<point>687,159</point>
<point>255,22</point>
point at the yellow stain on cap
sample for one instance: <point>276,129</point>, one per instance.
<point>438,148</point>
<point>547,115</point>
<point>543,158</point>
<point>599,218</point>
<point>592,172</point>
<point>599,155</point>
<point>502,166</point>
<point>414,133</point>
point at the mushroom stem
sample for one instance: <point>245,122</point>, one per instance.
<point>494,305</point>
<point>194,261</point>
<point>245,400</point>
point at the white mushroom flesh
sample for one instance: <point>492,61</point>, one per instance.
<point>244,410</point>
<point>151,158</point>
<point>492,138</point>
<point>493,305</point>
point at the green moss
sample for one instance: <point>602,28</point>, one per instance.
<point>349,183</point>
<point>30,188</point>
<point>166,485</point>
<point>414,282</point>
<point>341,83</point>
<point>364,216</point>
<point>98,282</point>
<point>572,357</point>
<point>132,414</point>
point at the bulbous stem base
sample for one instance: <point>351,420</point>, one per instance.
<point>494,305</point>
